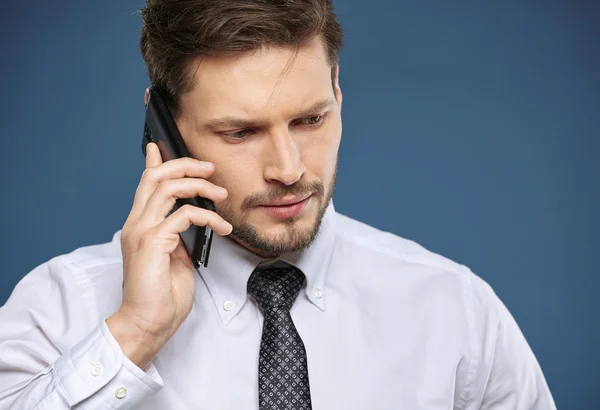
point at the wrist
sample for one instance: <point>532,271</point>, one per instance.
<point>138,345</point>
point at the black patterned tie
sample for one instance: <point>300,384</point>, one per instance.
<point>282,369</point>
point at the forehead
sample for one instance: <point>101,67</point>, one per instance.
<point>262,83</point>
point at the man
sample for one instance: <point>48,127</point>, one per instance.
<point>300,307</point>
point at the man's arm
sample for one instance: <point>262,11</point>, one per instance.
<point>56,352</point>
<point>510,376</point>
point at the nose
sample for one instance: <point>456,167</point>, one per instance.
<point>284,164</point>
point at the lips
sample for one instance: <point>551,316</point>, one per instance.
<point>286,208</point>
<point>288,201</point>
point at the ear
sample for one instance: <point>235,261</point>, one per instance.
<point>336,84</point>
<point>146,94</point>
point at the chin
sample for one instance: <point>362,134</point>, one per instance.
<point>269,236</point>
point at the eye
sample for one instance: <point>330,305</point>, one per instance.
<point>238,135</point>
<point>312,120</point>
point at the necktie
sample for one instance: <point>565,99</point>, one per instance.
<point>282,369</point>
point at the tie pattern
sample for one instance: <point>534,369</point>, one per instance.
<point>282,370</point>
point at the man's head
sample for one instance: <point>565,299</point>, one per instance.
<point>253,87</point>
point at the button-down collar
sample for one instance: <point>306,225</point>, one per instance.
<point>231,265</point>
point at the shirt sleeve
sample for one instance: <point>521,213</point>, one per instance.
<point>55,353</point>
<point>509,376</point>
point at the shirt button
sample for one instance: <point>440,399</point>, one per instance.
<point>318,293</point>
<point>96,369</point>
<point>228,305</point>
<point>121,392</point>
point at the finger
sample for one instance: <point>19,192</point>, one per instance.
<point>153,157</point>
<point>180,220</point>
<point>163,198</point>
<point>180,251</point>
<point>177,168</point>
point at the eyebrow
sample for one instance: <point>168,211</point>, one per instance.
<point>233,122</point>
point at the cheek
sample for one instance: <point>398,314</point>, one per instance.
<point>320,153</point>
<point>235,168</point>
<point>236,175</point>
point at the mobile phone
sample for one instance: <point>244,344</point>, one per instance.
<point>160,128</point>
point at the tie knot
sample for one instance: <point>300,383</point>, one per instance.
<point>275,287</point>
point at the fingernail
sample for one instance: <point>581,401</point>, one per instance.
<point>220,190</point>
<point>205,164</point>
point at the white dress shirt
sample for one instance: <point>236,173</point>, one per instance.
<point>386,323</point>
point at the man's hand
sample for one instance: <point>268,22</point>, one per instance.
<point>158,281</point>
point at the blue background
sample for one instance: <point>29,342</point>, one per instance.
<point>471,128</point>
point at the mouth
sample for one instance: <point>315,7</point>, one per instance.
<point>286,208</point>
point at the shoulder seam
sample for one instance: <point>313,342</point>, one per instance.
<point>451,266</point>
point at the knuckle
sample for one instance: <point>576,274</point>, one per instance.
<point>203,184</point>
<point>188,210</point>
<point>145,239</point>
<point>212,217</point>
<point>188,161</point>
<point>183,163</point>
<point>165,187</point>
<point>126,237</point>
<point>149,174</point>
<point>185,207</point>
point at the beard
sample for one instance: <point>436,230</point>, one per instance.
<point>293,238</point>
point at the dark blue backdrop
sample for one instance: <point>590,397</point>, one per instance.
<point>471,128</point>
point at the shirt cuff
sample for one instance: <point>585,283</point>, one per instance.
<point>96,366</point>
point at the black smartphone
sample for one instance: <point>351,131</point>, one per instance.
<point>160,128</point>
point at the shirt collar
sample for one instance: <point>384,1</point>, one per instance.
<point>230,266</point>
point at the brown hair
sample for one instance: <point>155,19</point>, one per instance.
<point>175,32</point>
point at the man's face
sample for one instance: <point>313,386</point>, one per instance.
<point>272,127</point>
